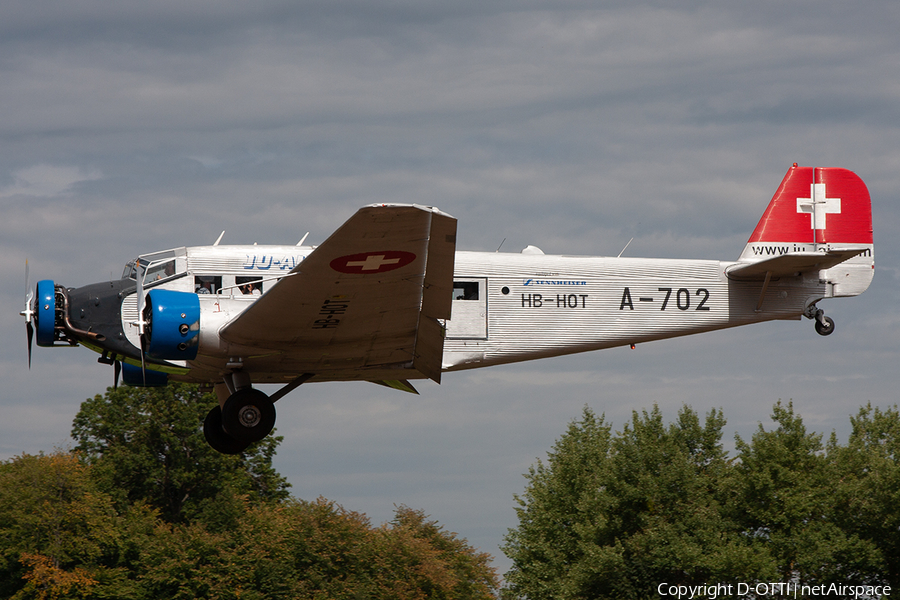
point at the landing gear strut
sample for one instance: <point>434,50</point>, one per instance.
<point>824,325</point>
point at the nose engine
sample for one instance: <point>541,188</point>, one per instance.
<point>47,319</point>
<point>89,315</point>
<point>44,314</point>
<point>40,314</point>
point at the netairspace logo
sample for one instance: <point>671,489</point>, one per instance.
<point>772,590</point>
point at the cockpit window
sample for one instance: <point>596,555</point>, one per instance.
<point>155,266</point>
<point>160,270</point>
<point>130,271</point>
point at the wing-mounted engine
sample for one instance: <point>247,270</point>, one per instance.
<point>172,330</point>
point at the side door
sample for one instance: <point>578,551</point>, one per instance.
<point>468,316</point>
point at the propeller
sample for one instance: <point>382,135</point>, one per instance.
<point>140,323</point>
<point>28,313</point>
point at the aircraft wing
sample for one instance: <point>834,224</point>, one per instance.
<point>788,265</point>
<point>368,298</point>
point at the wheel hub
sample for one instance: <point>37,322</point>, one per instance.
<point>249,416</point>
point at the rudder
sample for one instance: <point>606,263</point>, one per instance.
<point>819,210</point>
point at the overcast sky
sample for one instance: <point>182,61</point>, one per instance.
<point>132,127</point>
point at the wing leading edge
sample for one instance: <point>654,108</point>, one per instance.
<point>367,300</point>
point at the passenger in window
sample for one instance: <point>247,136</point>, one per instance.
<point>204,285</point>
<point>249,285</point>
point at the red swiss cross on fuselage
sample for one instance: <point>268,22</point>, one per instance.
<point>366,263</point>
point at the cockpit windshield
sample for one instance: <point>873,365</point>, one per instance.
<point>153,267</point>
<point>130,271</point>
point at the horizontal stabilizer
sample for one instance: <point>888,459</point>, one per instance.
<point>788,265</point>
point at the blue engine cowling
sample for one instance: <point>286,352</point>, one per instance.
<point>137,377</point>
<point>173,325</point>
<point>45,312</point>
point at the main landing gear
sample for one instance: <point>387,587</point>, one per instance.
<point>246,415</point>
<point>824,325</point>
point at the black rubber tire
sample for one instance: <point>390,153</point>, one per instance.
<point>248,415</point>
<point>217,437</point>
<point>827,328</point>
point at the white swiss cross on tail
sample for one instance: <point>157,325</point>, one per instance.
<point>832,203</point>
<point>818,205</point>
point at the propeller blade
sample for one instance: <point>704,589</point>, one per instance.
<point>140,297</point>
<point>30,329</point>
<point>143,364</point>
<point>141,322</point>
<point>28,313</point>
<point>117,370</point>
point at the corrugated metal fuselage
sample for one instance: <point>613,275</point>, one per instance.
<point>536,306</point>
<point>507,307</point>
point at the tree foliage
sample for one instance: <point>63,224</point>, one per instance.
<point>147,445</point>
<point>144,510</point>
<point>785,487</point>
<point>868,469</point>
<point>614,514</point>
<point>58,531</point>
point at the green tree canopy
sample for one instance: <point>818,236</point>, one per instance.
<point>60,536</point>
<point>92,524</point>
<point>868,468</point>
<point>615,514</point>
<point>786,500</point>
<point>147,445</point>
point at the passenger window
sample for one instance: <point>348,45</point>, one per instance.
<point>207,284</point>
<point>249,286</point>
<point>465,290</point>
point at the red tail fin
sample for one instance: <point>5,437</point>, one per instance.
<point>817,206</point>
<point>817,211</point>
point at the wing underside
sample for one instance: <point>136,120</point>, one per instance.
<point>366,301</point>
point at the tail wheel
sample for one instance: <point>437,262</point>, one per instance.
<point>248,415</point>
<point>217,437</point>
<point>825,326</point>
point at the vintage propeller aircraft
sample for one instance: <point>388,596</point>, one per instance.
<point>388,299</point>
